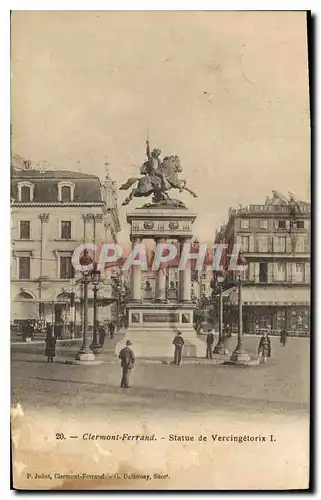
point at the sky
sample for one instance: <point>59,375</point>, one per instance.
<point>225,91</point>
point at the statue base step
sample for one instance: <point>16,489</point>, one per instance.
<point>158,342</point>
<point>240,356</point>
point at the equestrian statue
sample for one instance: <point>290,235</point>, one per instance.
<point>158,178</point>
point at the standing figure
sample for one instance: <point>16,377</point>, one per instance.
<point>209,343</point>
<point>127,358</point>
<point>264,349</point>
<point>178,343</point>
<point>30,331</point>
<point>283,337</point>
<point>101,333</point>
<point>50,351</point>
<point>112,328</point>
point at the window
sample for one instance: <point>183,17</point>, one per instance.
<point>262,243</point>
<point>25,230</point>
<point>300,224</point>
<point>245,223</point>
<point>300,244</point>
<point>280,244</point>
<point>66,230</point>
<point>66,268</point>
<point>24,268</point>
<point>280,270</point>
<point>281,224</point>
<point>263,273</point>
<point>298,273</point>
<point>25,194</point>
<point>263,224</point>
<point>25,191</point>
<point>245,243</point>
<point>66,191</point>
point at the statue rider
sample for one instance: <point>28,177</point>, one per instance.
<point>152,167</point>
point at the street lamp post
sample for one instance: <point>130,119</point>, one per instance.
<point>240,354</point>
<point>220,346</point>
<point>85,354</point>
<point>117,286</point>
<point>72,308</point>
<point>95,278</point>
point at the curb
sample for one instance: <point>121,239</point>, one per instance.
<point>83,363</point>
<point>252,362</point>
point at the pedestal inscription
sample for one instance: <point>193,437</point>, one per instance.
<point>161,318</point>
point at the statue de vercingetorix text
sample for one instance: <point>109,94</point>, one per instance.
<point>158,178</point>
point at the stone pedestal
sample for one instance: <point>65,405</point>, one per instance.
<point>152,325</point>
<point>152,328</point>
<point>86,357</point>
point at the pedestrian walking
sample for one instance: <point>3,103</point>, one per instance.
<point>127,358</point>
<point>112,329</point>
<point>50,351</point>
<point>209,344</point>
<point>283,337</point>
<point>101,333</point>
<point>178,343</point>
<point>264,350</point>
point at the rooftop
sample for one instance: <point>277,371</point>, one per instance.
<point>45,179</point>
<point>26,169</point>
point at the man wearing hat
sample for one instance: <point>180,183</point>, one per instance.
<point>178,343</point>
<point>127,357</point>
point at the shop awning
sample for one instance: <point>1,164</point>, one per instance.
<point>270,296</point>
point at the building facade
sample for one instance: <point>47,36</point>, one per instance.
<point>52,213</point>
<point>275,241</point>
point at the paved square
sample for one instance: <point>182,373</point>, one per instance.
<point>281,385</point>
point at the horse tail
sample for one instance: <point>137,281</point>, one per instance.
<point>129,183</point>
<point>190,191</point>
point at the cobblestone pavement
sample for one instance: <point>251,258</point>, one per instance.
<point>282,385</point>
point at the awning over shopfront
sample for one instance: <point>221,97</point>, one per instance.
<point>270,296</point>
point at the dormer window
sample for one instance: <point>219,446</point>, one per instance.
<point>25,192</point>
<point>66,191</point>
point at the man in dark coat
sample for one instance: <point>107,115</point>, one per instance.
<point>29,330</point>
<point>101,333</point>
<point>283,337</point>
<point>264,349</point>
<point>127,358</point>
<point>50,351</point>
<point>178,343</point>
<point>209,343</point>
<point>112,328</point>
